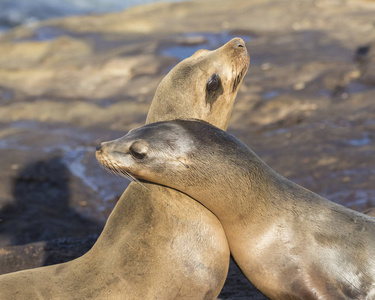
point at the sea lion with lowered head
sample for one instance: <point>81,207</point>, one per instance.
<point>157,242</point>
<point>290,242</point>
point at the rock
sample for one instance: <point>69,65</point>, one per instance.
<point>67,84</point>
<point>44,253</point>
<point>365,55</point>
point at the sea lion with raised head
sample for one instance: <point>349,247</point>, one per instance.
<point>157,243</point>
<point>210,78</point>
<point>290,242</point>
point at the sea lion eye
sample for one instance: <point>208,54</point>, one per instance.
<point>138,149</point>
<point>137,155</point>
<point>213,82</point>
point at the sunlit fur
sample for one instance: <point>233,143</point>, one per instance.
<point>157,241</point>
<point>289,242</point>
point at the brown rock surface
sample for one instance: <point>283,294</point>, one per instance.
<point>306,107</point>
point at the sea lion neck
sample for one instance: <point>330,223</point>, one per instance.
<point>230,160</point>
<point>243,176</point>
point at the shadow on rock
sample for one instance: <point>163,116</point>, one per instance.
<point>41,210</point>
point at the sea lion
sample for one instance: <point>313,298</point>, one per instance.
<point>157,242</point>
<point>290,242</point>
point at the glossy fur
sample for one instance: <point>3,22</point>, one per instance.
<point>290,242</point>
<point>157,243</point>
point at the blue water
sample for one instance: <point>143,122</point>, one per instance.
<point>362,141</point>
<point>17,12</point>
<point>206,40</point>
<point>270,94</point>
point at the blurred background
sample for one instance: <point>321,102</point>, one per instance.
<point>23,12</point>
<point>76,73</point>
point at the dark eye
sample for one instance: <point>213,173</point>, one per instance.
<point>137,155</point>
<point>213,82</point>
<point>138,149</point>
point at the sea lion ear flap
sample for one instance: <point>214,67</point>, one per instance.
<point>183,161</point>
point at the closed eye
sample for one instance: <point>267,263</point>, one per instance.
<point>136,154</point>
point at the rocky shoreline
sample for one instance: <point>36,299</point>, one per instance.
<point>306,107</point>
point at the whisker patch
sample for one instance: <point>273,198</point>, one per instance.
<point>116,170</point>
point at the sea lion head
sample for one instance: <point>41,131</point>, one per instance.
<point>203,86</point>
<point>150,147</point>
<point>171,153</point>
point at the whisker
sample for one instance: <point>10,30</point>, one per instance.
<point>122,172</point>
<point>110,168</point>
<point>115,169</point>
<point>127,175</point>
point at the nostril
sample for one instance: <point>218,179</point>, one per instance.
<point>99,147</point>
<point>239,43</point>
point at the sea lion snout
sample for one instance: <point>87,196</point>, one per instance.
<point>106,149</point>
<point>237,47</point>
<point>102,147</point>
<point>238,43</point>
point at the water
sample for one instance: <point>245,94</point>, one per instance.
<point>75,151</point>
<point>22,12</point>
<point>362,141</point>
<point>189,43</point>
<point>270,94</point>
